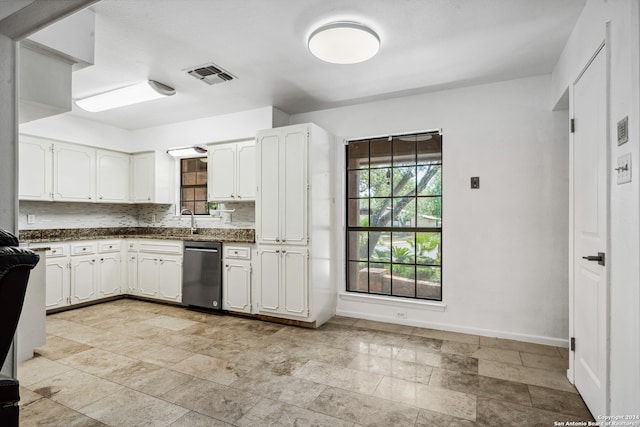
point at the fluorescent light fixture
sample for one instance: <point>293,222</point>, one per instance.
<point>128,95</point>
<point>344,43</point>
<point>187,152</point>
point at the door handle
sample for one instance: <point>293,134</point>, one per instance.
<point>599,258</point>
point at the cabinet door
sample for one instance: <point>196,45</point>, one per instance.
<point>35,180</point>
<point>268,203</point>
<point>237,286</point>
<point>295,282</point>
<point>170,278</point>
<point>74,171</point>
<point>132,274</point>
<point>83,279</point>
<point>269,280</point>
<point>148,275</point>
<point>57,294</point>
<point>113,177</point>
<point>293,198</point>
<point>222,172</point>
<point>246,170</point>
<point>143,175</point>
<point>109,274</point>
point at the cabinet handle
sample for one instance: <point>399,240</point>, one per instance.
<point>101,259</point>
<point>232,196</point>
<point>277,240</point>
<point>239,197</point>
<point>284,240</point>
<point>84,249</point>
<point>54,251</point>
<point>284,252</point>
<point>149,198</point>
<point>100,197</point>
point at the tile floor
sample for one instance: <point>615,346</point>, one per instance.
<point>130,363</point>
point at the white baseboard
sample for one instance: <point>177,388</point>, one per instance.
<point>556,342</point>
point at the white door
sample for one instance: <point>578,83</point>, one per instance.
<point>269,279</point>
<point>590,235</point>
<point>237,281</point>
<point>57,289</point>
<point>148,275</point>
<point>74,169</point>
<point>170,278</point>
<point>109,268</point>
<point>35,175</point>
<point>222,172</point>
<point>293,199</point>
<point>83,279</point>
<point>268,203</point>
<point>295,281</point>
<point>113,177</point>
<point>246,170</point>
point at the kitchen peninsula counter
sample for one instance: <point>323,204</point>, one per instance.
<point>227,234</point>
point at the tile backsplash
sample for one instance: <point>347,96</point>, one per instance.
<point>49,215</point>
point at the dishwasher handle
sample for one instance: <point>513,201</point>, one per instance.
<point>201,250</point>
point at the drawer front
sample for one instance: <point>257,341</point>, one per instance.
<point>57,251</point>
<point>237,252</point>
<point>109,246</point>
<point>160,247</point>
<point>83,248</point>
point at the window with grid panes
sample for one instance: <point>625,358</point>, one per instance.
<point>193,185</point>
<point>394,216</point>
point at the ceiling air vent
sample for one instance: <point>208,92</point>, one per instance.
<point>210,74</point>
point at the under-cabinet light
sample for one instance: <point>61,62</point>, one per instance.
<point>186,152</point>
<point>128,95</point>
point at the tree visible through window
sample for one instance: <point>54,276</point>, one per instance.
<point>193,185</point>
<point>394,216</point>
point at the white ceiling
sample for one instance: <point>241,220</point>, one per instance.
<point>426,45</point>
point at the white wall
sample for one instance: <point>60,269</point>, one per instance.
<point>624,239</point>
<point>504,245</point>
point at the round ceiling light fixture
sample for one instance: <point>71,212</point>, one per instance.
<point>344,43</point>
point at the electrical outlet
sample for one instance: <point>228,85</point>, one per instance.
<point>153,218</point>
<point>401,314</point>
<point>475,182</point>
<point>624,169</point>
<point>31,219</point>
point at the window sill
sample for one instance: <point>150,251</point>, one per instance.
<point>389,301</point>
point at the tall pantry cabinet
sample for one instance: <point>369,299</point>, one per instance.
<point>293,224</point>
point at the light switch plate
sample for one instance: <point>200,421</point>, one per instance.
<point>624,169</point>
<point>31,219</point>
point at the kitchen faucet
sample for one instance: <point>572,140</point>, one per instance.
<point>193,220</point>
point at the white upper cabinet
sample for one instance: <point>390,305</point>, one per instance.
<point>246,170</point>
<point>222,171</point>
<point>113,176</point>
<point>74,173</point>
<point>281,213</point>
<point>35,175</point>
<point>232,175</point>
<point>152,178</point>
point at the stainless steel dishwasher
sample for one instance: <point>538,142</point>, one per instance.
<point>202,275</point>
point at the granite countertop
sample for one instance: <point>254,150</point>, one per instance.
<point>240,235</point>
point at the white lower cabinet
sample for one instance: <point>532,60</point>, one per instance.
<point>58,282</point>
<point>155,269</point>
<point>109,275</point>
<point>283,281</point>
<point>83,278</point>
<point>236,278</point>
